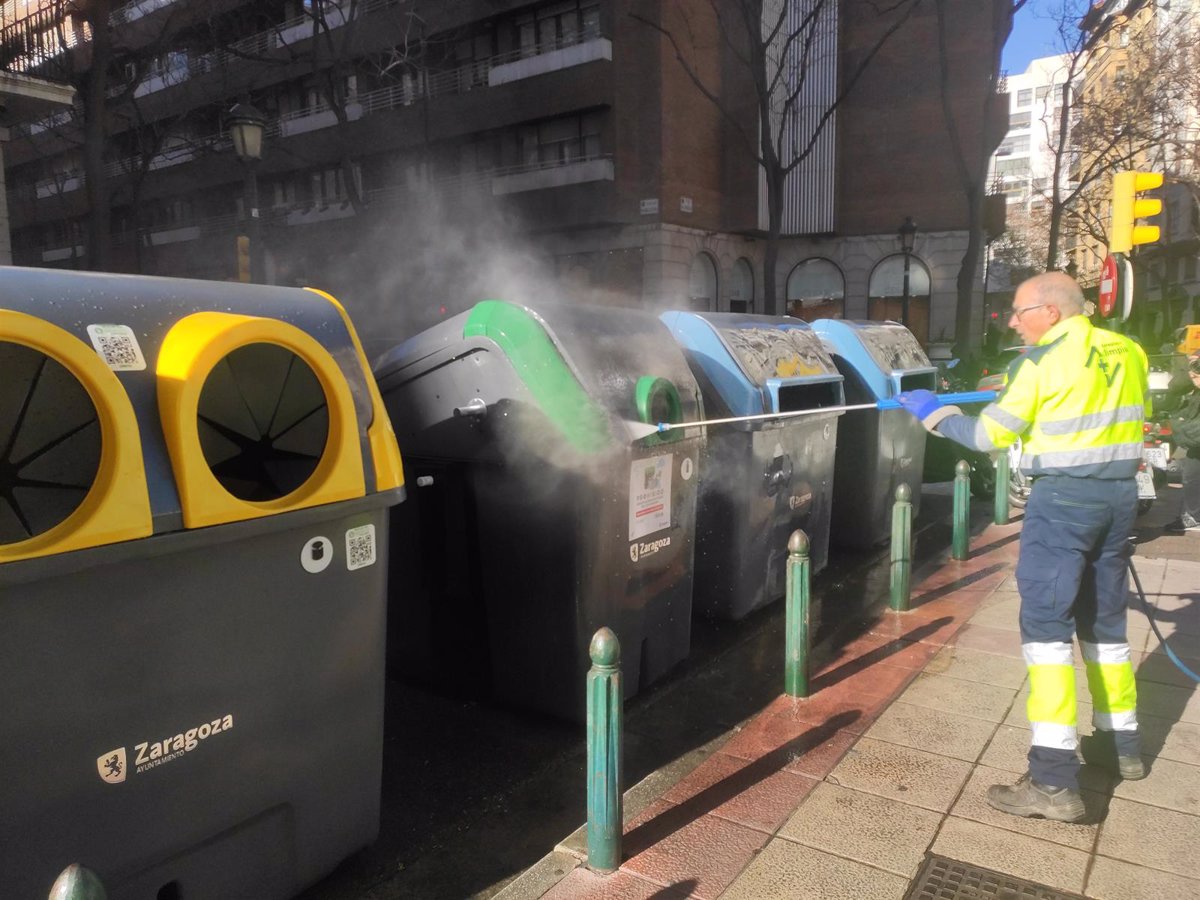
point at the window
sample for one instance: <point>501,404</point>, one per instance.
<point>1018,166</point>
<point>558,141</point>
<point>815,290</point>
<point>1043,92</point>
<point>559,25</point>
<point>702,283</point>
<point>1018,120</point>
<point>741,287</point>
<point>888,278</point>
<point>1014,144</point>
<point>1024,96</point>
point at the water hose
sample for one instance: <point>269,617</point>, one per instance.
<point>1149,611</point>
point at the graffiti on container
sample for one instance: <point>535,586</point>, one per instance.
<point>770,353</point>
<point>894,347</point>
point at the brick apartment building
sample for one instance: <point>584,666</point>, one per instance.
<point>504,148</point>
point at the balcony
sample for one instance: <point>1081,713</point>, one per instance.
<point>559,173</point>
<point>313,118</point>
<point>518,65</point>
<point>131,12</point>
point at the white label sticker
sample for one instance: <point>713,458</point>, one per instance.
<point>686,468</point>
<point>118,347</point>
<point>649,496</point>
<point>316,555</point>
<point>360,547</point>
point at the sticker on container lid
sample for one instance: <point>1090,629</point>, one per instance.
<point>649,495</point>
<point>686,468</point>
<point>360,547</point>
<point>316,555</point>
<point>118,347</point>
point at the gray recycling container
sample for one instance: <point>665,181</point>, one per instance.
<point>538,517</point>
<point>193,530</point>
<point>877,449</point>
<point>759,481</point>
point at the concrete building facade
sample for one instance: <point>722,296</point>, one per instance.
<point>421,155</point>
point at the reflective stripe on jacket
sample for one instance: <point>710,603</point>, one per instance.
<point>1077,401</point>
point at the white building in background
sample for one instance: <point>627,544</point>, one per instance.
<point>1023,165</point>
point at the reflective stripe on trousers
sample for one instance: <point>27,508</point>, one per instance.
<point>1112,686</point>
<point>1051,706</point>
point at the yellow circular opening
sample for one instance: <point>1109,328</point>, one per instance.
<point>50,443</point>
<point>263,422</point>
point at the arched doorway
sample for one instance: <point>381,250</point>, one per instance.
<point>741,287</point>
<point>702,283</point>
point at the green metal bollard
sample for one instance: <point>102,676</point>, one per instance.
<point>604,801</point>
<point>961,542</point>
<point>1000,512</point>
<point>77,883</point>
<point>795,665</point>
<point>901,548</point>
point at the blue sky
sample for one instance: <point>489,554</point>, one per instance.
<point>1034,34</point>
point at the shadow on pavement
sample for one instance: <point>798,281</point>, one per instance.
<point>667,823</point>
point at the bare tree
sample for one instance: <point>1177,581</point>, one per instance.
<point>972,149</point>
<point>1097,131</point>
<point>777,43</point>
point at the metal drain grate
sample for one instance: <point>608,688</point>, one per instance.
<point>948,879</point>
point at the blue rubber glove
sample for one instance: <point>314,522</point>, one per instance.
<point>920,403</point>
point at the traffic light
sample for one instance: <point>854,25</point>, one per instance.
<point>1127,208</point>
<point>243,259</point>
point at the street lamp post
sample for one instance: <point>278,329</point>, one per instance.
<point>246,126</point>
<point>908,234</point>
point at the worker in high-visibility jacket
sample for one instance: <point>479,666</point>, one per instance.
<point>1077,399</point>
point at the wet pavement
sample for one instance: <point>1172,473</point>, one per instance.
<point>476,795</point>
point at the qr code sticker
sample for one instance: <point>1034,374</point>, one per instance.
<point>118,347</point>
<point>360,547</point>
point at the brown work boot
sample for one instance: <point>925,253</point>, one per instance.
<point>1100,751</point>
<point>1030,799</point>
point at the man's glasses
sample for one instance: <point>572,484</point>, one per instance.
<point>1024,309</point>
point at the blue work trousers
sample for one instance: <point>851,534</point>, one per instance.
<point>1073,578</point>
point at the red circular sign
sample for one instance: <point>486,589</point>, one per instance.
<point>1108,286</point>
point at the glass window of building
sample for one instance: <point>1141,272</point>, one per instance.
<point>1024,96</point>
<point>1018,120</point>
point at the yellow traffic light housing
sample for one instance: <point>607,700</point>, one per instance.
<point>1127,207</point>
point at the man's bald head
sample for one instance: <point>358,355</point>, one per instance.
<point>1055,289</point>
<point>1042,302</point>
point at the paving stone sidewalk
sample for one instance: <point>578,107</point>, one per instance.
<point>844,793</point>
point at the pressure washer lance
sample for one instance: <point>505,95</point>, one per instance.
<point>641,430</point>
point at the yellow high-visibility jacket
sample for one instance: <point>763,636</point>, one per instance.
<point>1077,400</point>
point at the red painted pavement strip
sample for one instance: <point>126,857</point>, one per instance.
<point>733,789</point>
<point>670,847</point>
<point>584,883</point>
